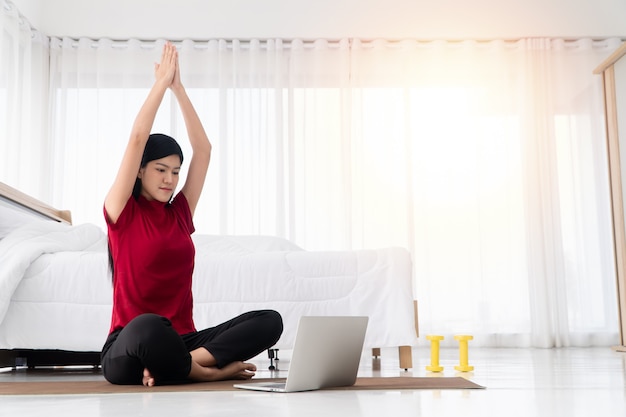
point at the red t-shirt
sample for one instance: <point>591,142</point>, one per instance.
<point>153,257</point>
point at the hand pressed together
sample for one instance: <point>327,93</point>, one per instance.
<point>167,69</point>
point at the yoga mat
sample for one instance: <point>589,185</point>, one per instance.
<point>103,387</point>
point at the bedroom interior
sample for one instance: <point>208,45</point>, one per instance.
<point>389,151</point>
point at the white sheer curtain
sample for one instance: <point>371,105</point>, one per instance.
<point>23,103</point>
<point>486,160</point>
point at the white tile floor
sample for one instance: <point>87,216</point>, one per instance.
<point>520,382</point>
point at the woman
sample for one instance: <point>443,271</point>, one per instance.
<point>152,339</point>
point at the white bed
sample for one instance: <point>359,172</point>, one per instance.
<point>55,289</point>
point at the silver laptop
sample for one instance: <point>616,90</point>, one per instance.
<point>326,353</point>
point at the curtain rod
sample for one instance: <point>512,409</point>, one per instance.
<point>199,43</point>
<point>337,40</point>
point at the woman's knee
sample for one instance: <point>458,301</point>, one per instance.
<point>274,323</point>
<point>149,320</point>
<point>148,327</point>
<point>152,341</point>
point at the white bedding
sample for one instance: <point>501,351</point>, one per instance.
<point>55,291</point>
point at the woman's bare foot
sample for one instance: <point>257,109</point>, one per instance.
<point>148,379</point>
<point>234,370</point>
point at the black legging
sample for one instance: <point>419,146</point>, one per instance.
<point>149,341</point>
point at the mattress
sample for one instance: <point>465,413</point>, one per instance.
<point>63,298</point>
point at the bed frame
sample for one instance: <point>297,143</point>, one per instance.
<point>32,205</point>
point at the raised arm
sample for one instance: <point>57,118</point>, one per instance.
<point>200,145</point>
<point>124,182</point>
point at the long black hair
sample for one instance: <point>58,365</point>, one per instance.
<point>158,146</point>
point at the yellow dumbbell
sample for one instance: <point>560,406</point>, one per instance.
<point>463,353</point>
<point>434,353</point>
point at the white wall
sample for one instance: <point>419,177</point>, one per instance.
<point>310,19</point>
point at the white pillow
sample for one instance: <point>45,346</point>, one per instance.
<point>11,217</point>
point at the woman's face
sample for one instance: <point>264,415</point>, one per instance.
<point>159,178</point>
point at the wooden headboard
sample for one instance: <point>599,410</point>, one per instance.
<point>10,194</point>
